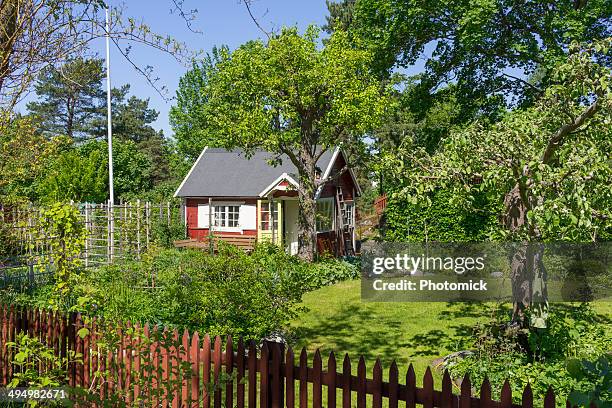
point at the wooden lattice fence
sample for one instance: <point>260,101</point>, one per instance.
<point>116,232</point>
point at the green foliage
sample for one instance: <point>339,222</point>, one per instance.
<point>546,359</point>
<point>260,95</point>
<point>132,118</point>
<point>600,375</point>
<point>249,295</point>
<point>64,233</point>
<point>553,155</point>
<point>476,43</point>
<point>165,234</point>
<point>442,220</point>
<point>422,118</point>
<point>188,117</point>
<point>29,355</point>
<point>340,15</point>
<point>80,173</point>
<point>23,157</point>
<point>71,97</point>
<point>329,271</point>
<point>75,175</point>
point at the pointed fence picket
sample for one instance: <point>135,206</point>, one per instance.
<point>189,371</point>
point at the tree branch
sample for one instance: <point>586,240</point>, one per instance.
<point>247,4</point>
<point>524,82</point>
<point>568,128</point>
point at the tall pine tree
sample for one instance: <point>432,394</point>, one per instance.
<point>70,98</point>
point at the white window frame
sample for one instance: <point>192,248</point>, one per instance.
<point>229,214</point>
<point>225,204</point>
<point>349,214</point>
<point>329,203</point>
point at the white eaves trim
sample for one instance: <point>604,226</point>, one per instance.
<point>280,178</point>
<point>328,171</point>
<point>190,171</point>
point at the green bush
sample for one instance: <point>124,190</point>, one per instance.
<point>248,295</point>
<point>165,234</point>
<point>29,354</point>
<point>600,374</point>
<point>545,359</point>
<point>442,220</point>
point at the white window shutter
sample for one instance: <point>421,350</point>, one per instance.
<point>248,217</point>
<point>203,215</point>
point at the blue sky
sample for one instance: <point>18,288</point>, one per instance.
<point>221,22</point>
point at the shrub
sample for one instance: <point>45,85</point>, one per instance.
<point>248,295</point>
<point>165,234</point>
<point>29,355</point>
<point>600,374</point>
<point>545,359</point>
<point>442,220</point>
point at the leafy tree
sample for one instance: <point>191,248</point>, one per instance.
<point>131,167</point>
<point>442,220</point>
<point>485,47</point>
<point>340,15</point>
<point>188,117</point>
<point>81,174</point>
<point>419,117</point>
<point>549,164</point>
<point>132,117</point>
<point>24,154</point>
<point>71,97</point>
<point>291,98</point>
<point>76,176</point>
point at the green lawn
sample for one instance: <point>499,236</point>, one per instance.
<point>336,319</point>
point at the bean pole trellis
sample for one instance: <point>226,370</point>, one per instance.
<point>115,233</point>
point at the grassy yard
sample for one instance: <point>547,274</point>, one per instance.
<point>336,319</point>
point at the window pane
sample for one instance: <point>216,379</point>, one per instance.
<point>233,214</point>
<point>265,215</point>
<point>226,216</point>
<point>218,216</point>
<point>324,215</point>
<point>347,219</point>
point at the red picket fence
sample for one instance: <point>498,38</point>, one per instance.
<point>213,374</point>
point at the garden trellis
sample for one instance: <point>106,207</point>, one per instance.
<point>113,233</point>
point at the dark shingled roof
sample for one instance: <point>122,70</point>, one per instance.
<point>224,173</point>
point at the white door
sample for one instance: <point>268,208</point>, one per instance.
<point>291,226</point>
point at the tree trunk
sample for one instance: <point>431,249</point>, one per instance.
<point>528,275</point>
<point>8,18</point>
<point>307,232</point>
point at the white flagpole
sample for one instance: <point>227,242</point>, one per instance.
<point>108,113</point>
<point>111,201</point>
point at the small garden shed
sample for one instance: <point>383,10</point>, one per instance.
<point>227,194</point>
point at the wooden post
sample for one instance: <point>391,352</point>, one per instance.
<point>138,228</point>
<point>148,221</point>
<point>271,208</point>
<point>30,246</point>
<point>210,226</point>
<point>275,389</point>
<point>183,210</point>
<point>168,215</point>
<point>87,235</point>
